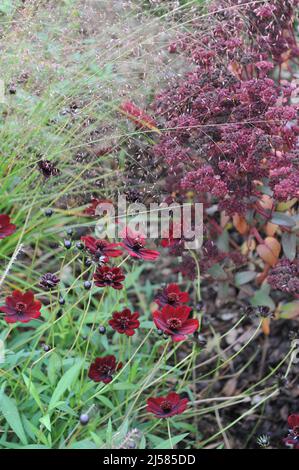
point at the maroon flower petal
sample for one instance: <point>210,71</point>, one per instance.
<point>149,255</point>
<point>189,326</point>
<point>28,297</point>
<point>184,297</point>
<point>293,421</point>
<point>173,397</point>
<point>6,228</point>
<point>12,319</point>
<point>177,337</point>
<point>160,322</point>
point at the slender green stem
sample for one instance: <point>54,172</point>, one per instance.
<point>169,433</point>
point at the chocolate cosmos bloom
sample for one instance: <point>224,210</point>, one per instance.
<point>292,440</point>
<point>21,307</point>
<point>101,248</point>
<point>293,422</point>
<point>108,276</point>
<point>175,322</point>
<point>172,295</point>
<point>134,243</point>
<point>6,228</point>
<point>103,369</point>
<point>125,322</point>
<point>165,407</point>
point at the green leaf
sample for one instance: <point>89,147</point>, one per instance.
<point>109,432</point>
<point>217,272</point>
<point>32,390</point>
<point>85,444</point>
<point>36,446</point>
<point>54,366</point>
<point>165,444</point>
<point>11,414</point>
<point>289,241</point>
<point>244,277</point>
<point>262,297</point>
<point>64,383</point>
<point>45,420</point>
<point>279,218</point>
<point>108,403</point>
<point>122,386</point>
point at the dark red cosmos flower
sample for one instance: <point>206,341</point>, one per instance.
<point>134,243</point>
<point>108,276</point>
<point>292,440</point>
<point>172,295</point>
<point>293,423</point>
<point>103,368</point>
<point>6,228</point>
<point>21,307</point>
<point>101,249</point>
<point>92,207</point>
<point>165,407</point>
<point>137,115</point>
<point>174,322</point>
<point>125,322</point>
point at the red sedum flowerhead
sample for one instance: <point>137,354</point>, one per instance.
<point>101,249</point>
<point>172,295</point>
<point>174,322</point>
<point>103,369</point>
<point>21,307</point>
<point>125,322</point>
<point>134,243</point>
<point>285,276</point>
<point>108,276</point>
<point>165,407</point>
<point>6,228</point>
